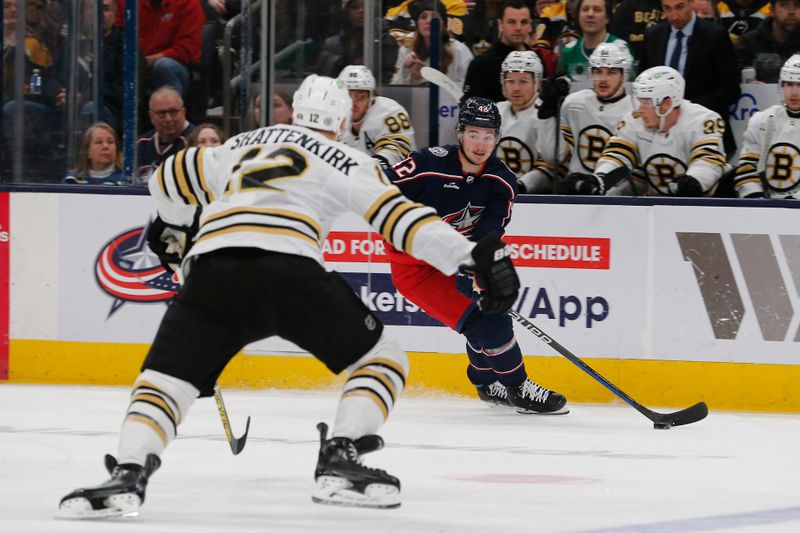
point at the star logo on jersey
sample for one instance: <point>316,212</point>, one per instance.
<point>465,220</point>
<point>128,271</point>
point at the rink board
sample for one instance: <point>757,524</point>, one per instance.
<point>672,303</point>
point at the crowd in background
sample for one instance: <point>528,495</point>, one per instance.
<point>181,70</point>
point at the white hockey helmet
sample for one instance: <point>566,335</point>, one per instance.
<point>322,103</point>
<point>790,71</point>
<point>612,55</point>
<point>357,78</point>
<point>658,84</point>
<point>525,61</point>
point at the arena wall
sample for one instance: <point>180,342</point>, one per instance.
<point>673,303</point>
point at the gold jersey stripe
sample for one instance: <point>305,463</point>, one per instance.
<point>413,228</point>
<point>201,176</point>
<point>397,212</point>
<point>282,213</point>
<point>372,395</point>
<point>160,178</point>
<point>146,420</point>
<point>274,230</point>
<point>383,378</point>
<point>391,364</point>
<point>385,198</point>
<point>179,164</point>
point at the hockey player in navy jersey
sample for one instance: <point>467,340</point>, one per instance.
<point>253,267</point>
<point>473,191</point>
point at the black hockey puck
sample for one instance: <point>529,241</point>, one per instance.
<point>662,425</point>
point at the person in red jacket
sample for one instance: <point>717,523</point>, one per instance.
<point>170,38</point>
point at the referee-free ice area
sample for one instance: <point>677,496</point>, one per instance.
<point>463,466</point>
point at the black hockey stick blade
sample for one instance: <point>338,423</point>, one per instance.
<point>237,445</point>
<point>689,415</point>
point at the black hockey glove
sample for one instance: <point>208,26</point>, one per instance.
<point>757,194</point>
<point>686,186</point>
<point>170,243</point>
<point>553,91</point>
<point>584,183</point>
<point>495,272</point>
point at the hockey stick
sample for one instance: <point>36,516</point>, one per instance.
<point>237,444</point>
<point>689,415</point>
<point>440,79</point>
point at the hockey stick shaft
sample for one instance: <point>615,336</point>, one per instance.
<point>237,444</point>
<point>686,416</point>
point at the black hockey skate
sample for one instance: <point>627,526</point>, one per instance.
<point>341,479</point>
<point>122,495</point>
<point>530,398</point>
<point>495,394</point>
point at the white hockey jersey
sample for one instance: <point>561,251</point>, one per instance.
<point>386,132</point>
<point>692,146</point>
<point>770,148</point>
<point>586,125</point>
<point>280,188</point>
<point>519,144</point>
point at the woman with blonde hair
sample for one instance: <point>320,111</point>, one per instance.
<point>99,159</point>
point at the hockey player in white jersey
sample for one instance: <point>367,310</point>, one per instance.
<point>769,162</point>
<point>380,126</point>
<point>590,116</point>
<point>523,145</point>
<point>253,269</point>
<point>673,146</point>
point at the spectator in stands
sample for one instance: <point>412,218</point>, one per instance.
<point>483,75</point>
<point>556,25</point>
<point>593,19</point>
<point>206,136</point>
<point>9,24</point>
<point>400,24</point>
<point>99,159</point>
<point>631,19</point>
<point>281,107</point>
<point>112,70</point>
<point>768,47</point>
<point>706,9</point>
<point>169,134</point>
<point>455,57</point>
<point>170,37</point>
<point>702,53</point>
<point>738,17</point>
<point>347,47</point>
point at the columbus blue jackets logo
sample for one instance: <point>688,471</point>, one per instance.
<point>464,220</point>
<point>128,271</point>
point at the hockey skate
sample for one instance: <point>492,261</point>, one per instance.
<point>495,394</point>
<point>120,496</point>
<point>530,398</point>
<point>341,479</point>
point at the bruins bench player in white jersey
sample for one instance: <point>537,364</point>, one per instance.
<point>769,163</point>
<point>268,198</point>
<point>672,146</point>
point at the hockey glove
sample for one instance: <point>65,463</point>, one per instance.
<point>553,91</point>
<point>170,243</point>
<point>757,194</point>
<point>584,183</point>
<point>494,270</point>
<point>686,186</point>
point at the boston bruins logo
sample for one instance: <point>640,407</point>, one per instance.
<point>663,169</point>
<point>783,167</point>
<point>591,141</point>
<point>515,154</point>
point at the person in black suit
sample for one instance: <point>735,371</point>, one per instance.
<point>702,52</point>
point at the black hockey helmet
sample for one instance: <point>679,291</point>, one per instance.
<point>479,112</point>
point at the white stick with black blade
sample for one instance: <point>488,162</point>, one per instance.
<point>440,79</point>
<point>689,415</point>
<point>237,444</point>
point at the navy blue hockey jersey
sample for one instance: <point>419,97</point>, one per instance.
<point>474,204</point>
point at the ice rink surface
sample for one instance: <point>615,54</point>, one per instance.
<point>464,468</point>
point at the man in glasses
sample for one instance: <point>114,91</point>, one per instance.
<point>473,191</point>
<point>169,133</point>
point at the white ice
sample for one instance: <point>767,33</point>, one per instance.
<point>464,467</point>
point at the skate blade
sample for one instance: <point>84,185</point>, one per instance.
<point>116,506</point>
<point>337,491</point>
<point>563,411</point>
